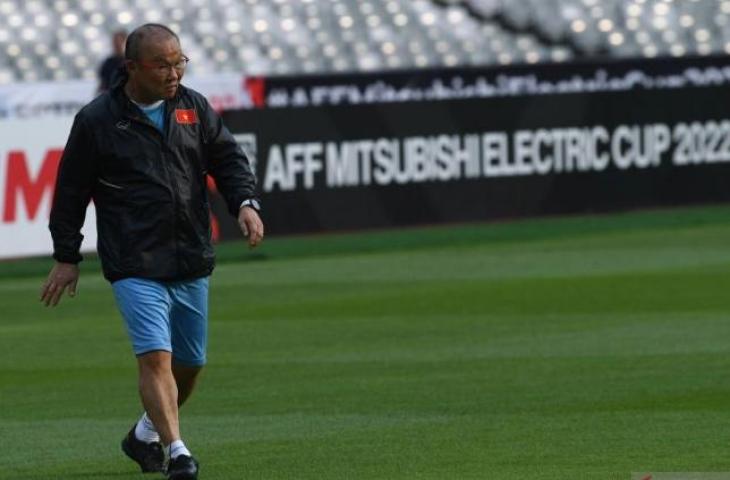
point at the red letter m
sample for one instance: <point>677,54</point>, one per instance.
<point>20,184</point>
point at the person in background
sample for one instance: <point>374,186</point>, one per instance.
<point>111,65</point>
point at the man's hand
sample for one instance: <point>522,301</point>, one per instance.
<point>251,225</point>
<point>63,276</point>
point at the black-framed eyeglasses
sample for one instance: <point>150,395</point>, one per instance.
<point>164,67</point>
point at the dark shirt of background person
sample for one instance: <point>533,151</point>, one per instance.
<point>111,65</point>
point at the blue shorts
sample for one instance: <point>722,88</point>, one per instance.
<point>169,316</point>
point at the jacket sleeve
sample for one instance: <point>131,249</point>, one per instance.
<point>229,166</point>
<point>74,184</point>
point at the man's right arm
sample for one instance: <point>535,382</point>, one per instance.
<point>63,277</point>
<point>74,184</point>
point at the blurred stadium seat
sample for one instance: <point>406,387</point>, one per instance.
<point>60,39</point>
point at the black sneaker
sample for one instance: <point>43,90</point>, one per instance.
<point>149,456</point>
<point>182,467</point>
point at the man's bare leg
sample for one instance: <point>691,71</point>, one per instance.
<point>186,378</point>
<point>159,393</point>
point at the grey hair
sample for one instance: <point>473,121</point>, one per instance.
<point>142,33</point>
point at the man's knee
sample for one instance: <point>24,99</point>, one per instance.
<point>155,362</point>
<point>186,372</point>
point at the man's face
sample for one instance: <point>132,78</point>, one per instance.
<point>158,71</point>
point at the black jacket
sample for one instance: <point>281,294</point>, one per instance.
<point>149,188</point>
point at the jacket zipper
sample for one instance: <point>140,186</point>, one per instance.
<point>110,185</point>
<point>166,168</point>
<point>165,135</point>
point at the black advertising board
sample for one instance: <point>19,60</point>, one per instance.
<point>348,166</point>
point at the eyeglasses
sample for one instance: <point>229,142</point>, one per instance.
<point>162,68</point>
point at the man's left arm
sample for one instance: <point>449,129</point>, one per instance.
<point>233,176</point>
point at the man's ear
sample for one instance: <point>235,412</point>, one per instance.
<point>130,65</point>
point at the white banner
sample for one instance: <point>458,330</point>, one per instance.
<point>62,99</point>
<point>226,91</point>
<point>44,99</point>
<point>29,154</point>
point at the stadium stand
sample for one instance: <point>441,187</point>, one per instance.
<point>59,39</point>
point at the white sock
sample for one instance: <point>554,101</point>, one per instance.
<point>145,430</point>
<point>178,448</point>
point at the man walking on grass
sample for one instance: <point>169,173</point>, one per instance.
<point>142,151</point>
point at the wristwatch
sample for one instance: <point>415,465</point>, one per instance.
<point>253,203</point>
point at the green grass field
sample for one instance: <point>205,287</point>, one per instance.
<point>584,347</point>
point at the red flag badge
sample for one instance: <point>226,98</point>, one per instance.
<point>186,116</point>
